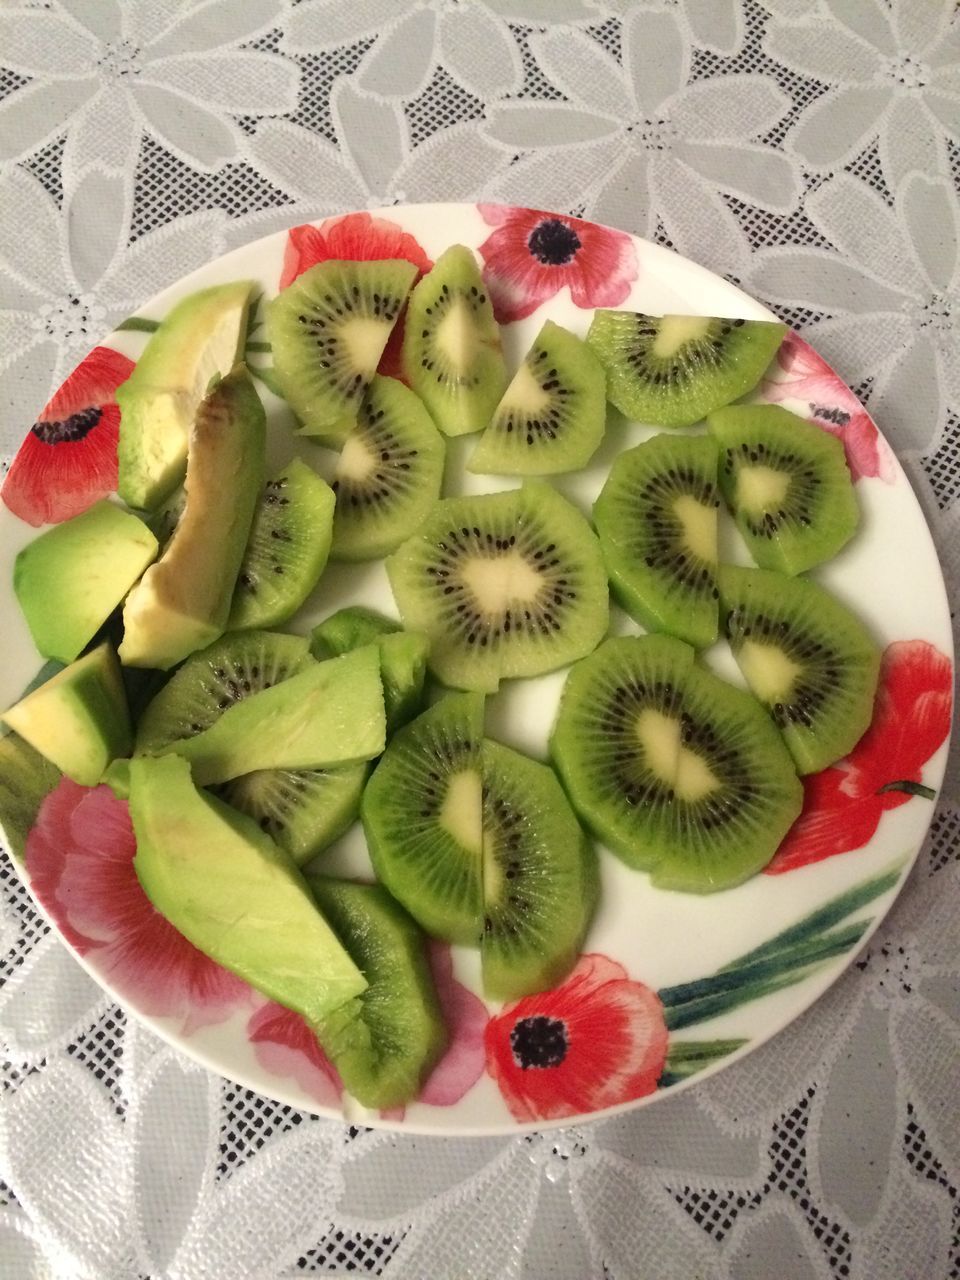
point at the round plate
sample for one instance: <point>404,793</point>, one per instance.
<point>671,986</point>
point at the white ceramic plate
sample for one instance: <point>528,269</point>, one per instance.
<point>648,1008</point>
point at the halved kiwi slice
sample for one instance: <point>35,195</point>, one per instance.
<point>657,522</point>
<point>388,475</point>
<point>673,370</point>
<point>327,331</point>
<point>384,1041</point>
<point>787,484</point>
<point>421,814</point>
<point>287,548</point>
<point>505,584</point>
<point>403,656</point>
<point>806,657</point>
<point>451,347</point>
<point>552,415</point>
<point>675,770</point>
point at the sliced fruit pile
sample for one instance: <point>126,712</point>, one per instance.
<point>246,751</point>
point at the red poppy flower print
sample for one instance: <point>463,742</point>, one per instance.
<point>79,857</point>
<point>69,459</point>
<point>532,255</point>
<point>804,375</point>
<point>597,1040</point>
<point>355,237</point>
<point>843,805</point>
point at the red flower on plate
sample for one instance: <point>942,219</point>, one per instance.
<point>355,237</point>
<point>597,1040</point>
<point>532,255</point>
<point>79,857</point>
<point>69,458</point>
<point>843,805</point>
<point>804,375</point>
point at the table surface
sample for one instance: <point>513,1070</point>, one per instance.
<point>809,151</point>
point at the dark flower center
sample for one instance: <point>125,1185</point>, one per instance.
<point>539,1042</point>
<point>553,242</point>
<point>68,430</point>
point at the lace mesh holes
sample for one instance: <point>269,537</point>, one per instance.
<point>100,1050</point>
<point>916,1149</point>
<point>357,1253</point>
<point>941,467</point>
<point>247,1121</point>
<point>442,103</point>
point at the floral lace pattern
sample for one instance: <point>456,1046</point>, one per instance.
<point>809,150</point>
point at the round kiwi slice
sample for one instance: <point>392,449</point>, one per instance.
<point>656,518</point>
<point>388,475</point>
<point>553,414</point>
<point>787,484</point>
<point>421,814</point>
<point>505,584</point>
<point>451,347</point>
<point>677,771</point>
<point>327,331</point>
<point>540,876</point>
<point>287,548</point>
<point>673,370</point>
<point>806,657</point>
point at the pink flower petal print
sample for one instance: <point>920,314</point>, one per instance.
<point>285,1046</point>
<point>466,1017</point>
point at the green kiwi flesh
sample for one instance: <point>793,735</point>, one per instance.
<point>452,355</point>
<point>806,657</point>
<point>403,656</point>
<point>503,585</point>
<point>385,1041</point>
<point>553,413</point>
<point>388,475</point>
<point>787,484</point>
<point>678,772</point>
<point>349,628</point>
<point>540,877</point>
<point>287,549</point>
<point>673,370</point>
<point>656,518</point>
<point>327,331</point>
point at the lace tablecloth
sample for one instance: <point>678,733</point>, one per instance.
<point>809,151</point>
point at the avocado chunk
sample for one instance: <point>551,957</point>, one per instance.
<point>200,338</point>
<point>25,779</point>
<point>70,579</point>
<point>183,601</point>
<point>329,714</point>
<point>225,885</point>
<point>78,720</point>
<point>403,656</point>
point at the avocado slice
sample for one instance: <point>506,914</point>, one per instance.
<point>78,720</point>
<point>200,338</point>
<point>183,601</point>
<point>330,714</point>
<point>70,579</point>
<point>225,885</point>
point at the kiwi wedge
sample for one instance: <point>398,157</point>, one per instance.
<point>452,355</point>
<point>678,772</point>
<point>656,518</point>
<point>673,370</point>
<point>806,657</point>
<point>349,628</point>
<point>287,548</point>
<point>385,1041</point>
<point>388,475</point>
<point>552,415</point>
<point>403,656</point>
<point>327,331</point>
<point>787,484</point>
<point>504,584</point>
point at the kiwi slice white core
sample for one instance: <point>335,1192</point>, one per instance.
<point>760,488</point>
<point>364,338</point>
<point>699,521</point>
<point>356,461</point>
<point>675,331</point>
<point>770,672</point>
<point>499,582</point>
<point>457,339</point>
<point>460,812</point>
<point>686,772</point>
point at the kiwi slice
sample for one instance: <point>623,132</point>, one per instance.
<point>552,415</point>
<point>787,484</point>
<point>327,331</point>
<point>673,370</point>
<point>806,657</point>
<point>540,876</point>
<point>349,628</point>
<point>403,656</point>
<point>657,522</point>
<point>388,475</point>
<point>677,771</point>
<point>385,1041</point>
<point>287,548</point>
<point>452,356</point>
<point>421,814</point>
<point>505,584</point>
